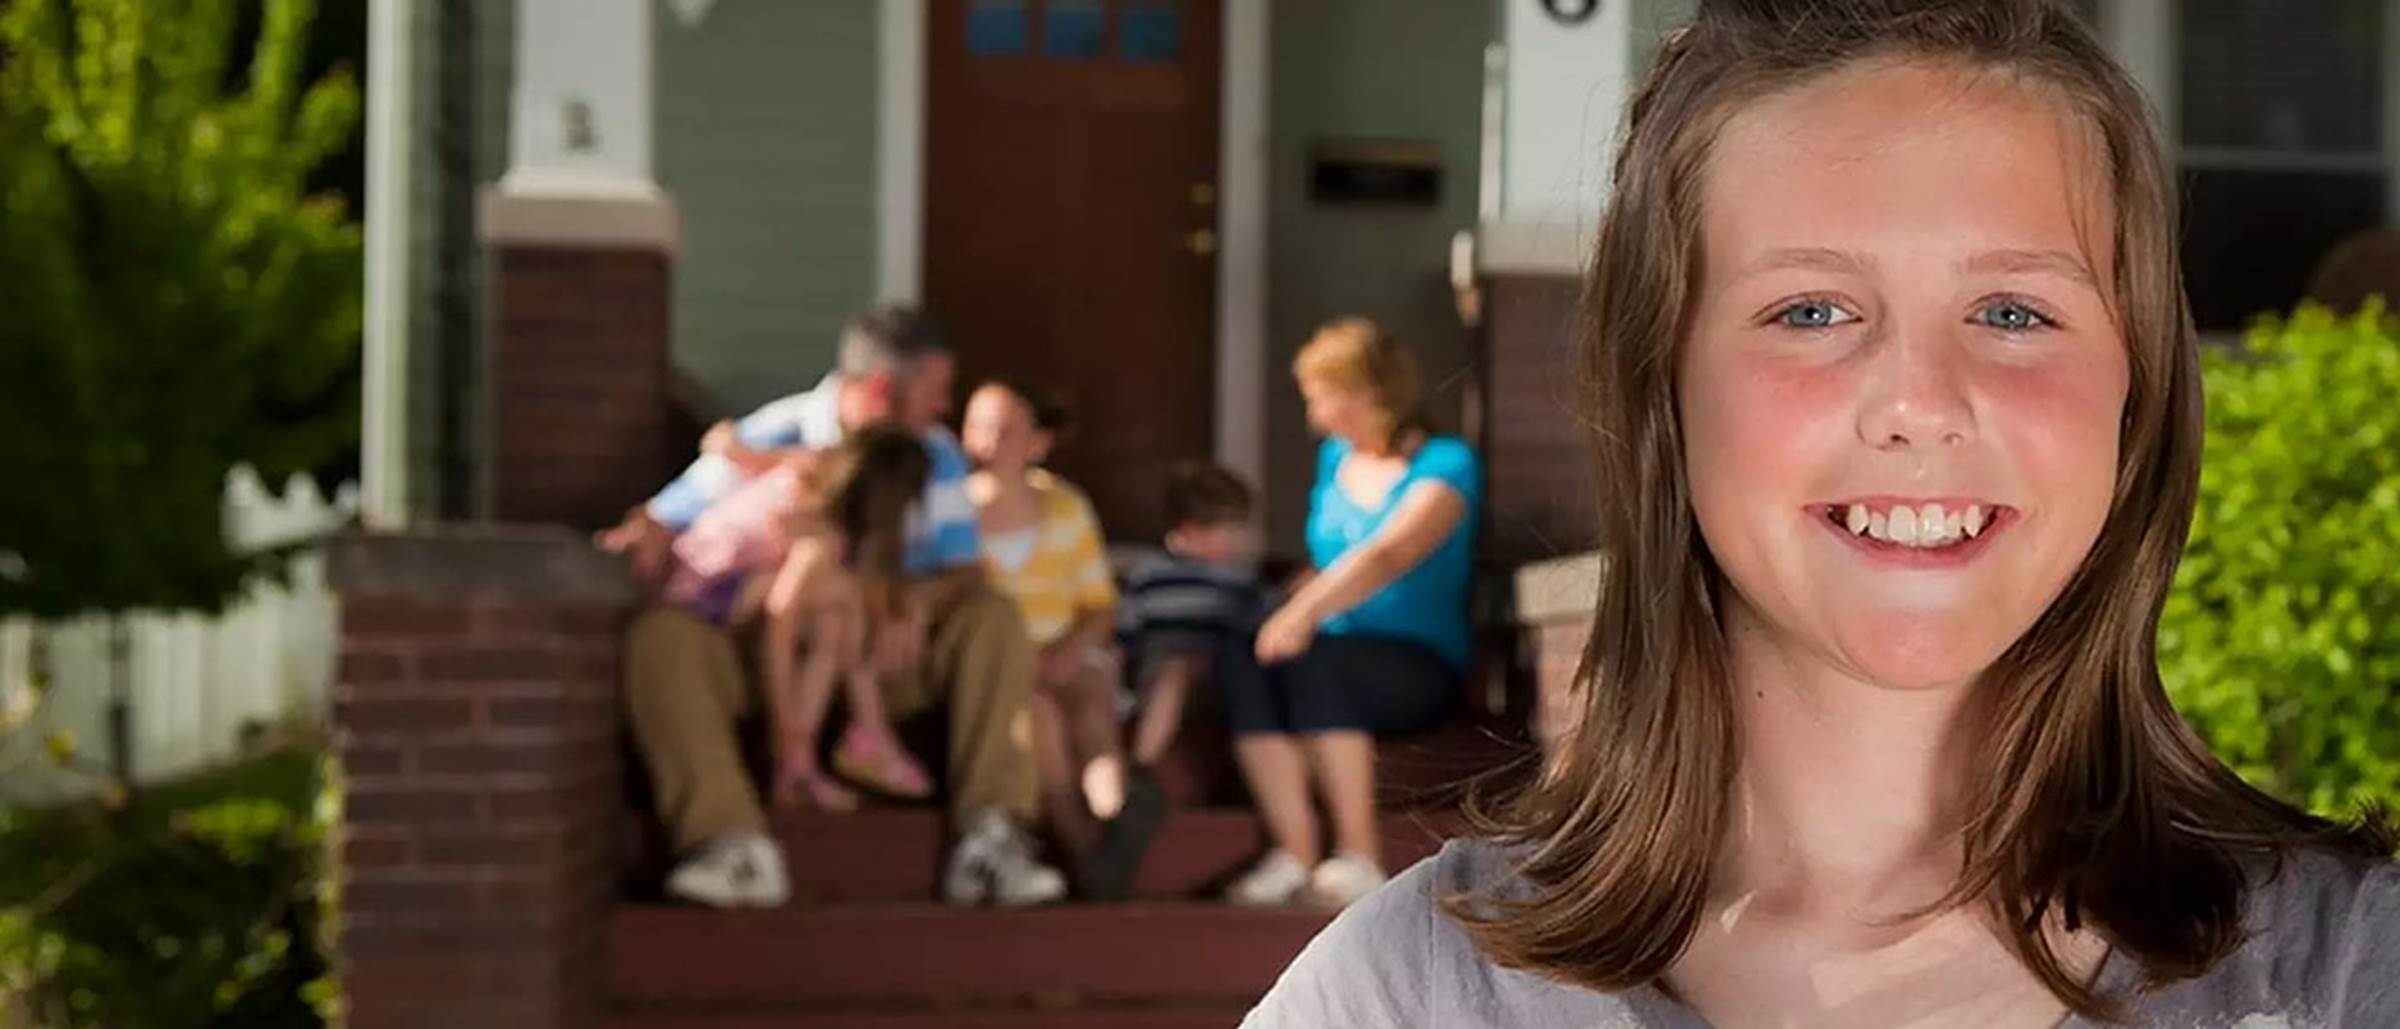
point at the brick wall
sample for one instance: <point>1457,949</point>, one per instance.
<point>579,383</point>
<point>476,727</point>
<point>1539,488</point>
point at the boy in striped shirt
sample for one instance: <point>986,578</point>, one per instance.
<point>1181,603</point>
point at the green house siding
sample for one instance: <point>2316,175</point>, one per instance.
<point>1409,70</point>
<point>764,126</point>
<point>765,138</point>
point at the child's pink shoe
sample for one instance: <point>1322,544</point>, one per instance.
<point>808,786</point>
<point>875,760</point>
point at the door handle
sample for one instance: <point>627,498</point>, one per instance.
<point>1201,242</point>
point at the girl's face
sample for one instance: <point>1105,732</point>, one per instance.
<point>1901,384</point>
<point>999,432</point>
<point>1334,411</point>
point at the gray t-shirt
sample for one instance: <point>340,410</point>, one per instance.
<point>2323,953</point>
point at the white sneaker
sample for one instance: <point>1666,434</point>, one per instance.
<point>1276,881</point>
<point>1342,879</point>
<point>743,870</point>
<point>993,861</point>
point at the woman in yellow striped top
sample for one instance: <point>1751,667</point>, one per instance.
<point>1042,546</point>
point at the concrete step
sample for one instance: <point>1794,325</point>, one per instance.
<point>894,854</point>
<point>928,956</point>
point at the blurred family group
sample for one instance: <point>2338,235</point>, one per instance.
<point>841,552</point>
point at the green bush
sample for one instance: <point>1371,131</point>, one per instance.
<point>2281,642</point>
<point>201,904</point>
<point>174,300</point>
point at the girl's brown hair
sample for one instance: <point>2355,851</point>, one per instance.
<point>1048,408</point>
<point>865,486</point>
<point>2093,804</point>
<point>1355,355</point>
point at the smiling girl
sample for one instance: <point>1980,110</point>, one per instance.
<point>1896,408</point>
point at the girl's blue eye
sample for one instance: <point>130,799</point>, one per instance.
<point>1813,314</point>
<point>2011,316</point>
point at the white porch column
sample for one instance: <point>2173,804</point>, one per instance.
<point>583,244</point>
<point>1563,90</point>
<point>1242,185</point>
<point>2142,33</point>
<point>579,115</point>
<point>579,143</point>
<point>900,151</point>
<point>383,460</point>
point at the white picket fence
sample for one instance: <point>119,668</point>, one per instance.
<point>196,685</point>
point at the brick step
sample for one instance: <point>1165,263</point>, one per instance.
<point>930,956</point>
<point>895,853</point>
<point>1223,1016</point>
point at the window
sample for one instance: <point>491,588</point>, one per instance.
<point>999,28</point>
<point>1074,30</point>
<point>2280,119</point>
<point>1149,32</point>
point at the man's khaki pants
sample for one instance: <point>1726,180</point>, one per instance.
<point>687,689</point>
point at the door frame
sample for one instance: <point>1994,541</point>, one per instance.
<point>1242,155</point>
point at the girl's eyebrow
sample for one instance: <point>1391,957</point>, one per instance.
<point>2002,262</point>
<point>1816,258</point>
<point>2055,262</point>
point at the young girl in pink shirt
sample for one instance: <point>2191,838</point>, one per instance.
<point>805,560</point>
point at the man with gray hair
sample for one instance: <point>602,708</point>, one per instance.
<point>686,688</point>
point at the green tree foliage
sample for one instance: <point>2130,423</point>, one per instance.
<point>173,302</point>
<point>2281,642</point>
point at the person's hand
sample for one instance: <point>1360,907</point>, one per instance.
<point>1285,636</point>
<point>899,643</point>
<point>641,541</point>
<point>720,439</point>
<point>625,535</point>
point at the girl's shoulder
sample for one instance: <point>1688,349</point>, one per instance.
<point>2322,947</point>
<point>1060,498</point>
<point>2335,912</point>
<point>1397,958</point>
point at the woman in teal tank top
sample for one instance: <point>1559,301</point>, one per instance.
<point>1376,642</point>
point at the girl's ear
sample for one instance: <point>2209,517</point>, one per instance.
<point>1042,442</point>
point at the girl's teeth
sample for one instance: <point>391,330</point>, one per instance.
<point>1929,526</point>
<point>1903,525</point>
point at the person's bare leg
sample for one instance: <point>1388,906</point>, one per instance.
<point>820,665</point>
<point>1345,772</point>
<point>1099,743</point>
<point>1277,774</point>
<point>1162,710</point>
<point>864,699</point>
<point>1054,767</point>
<point>800,728</point>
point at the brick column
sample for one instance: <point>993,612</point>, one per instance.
<point>476,725</point>
<point>581,407</point>
<point>1538,492</point>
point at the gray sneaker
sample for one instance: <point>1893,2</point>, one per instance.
<point>993,863</point>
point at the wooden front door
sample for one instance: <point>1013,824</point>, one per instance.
<point>1071,219</point>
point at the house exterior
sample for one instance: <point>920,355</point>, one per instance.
<point>580,205</point>
<point>1145,202</point>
